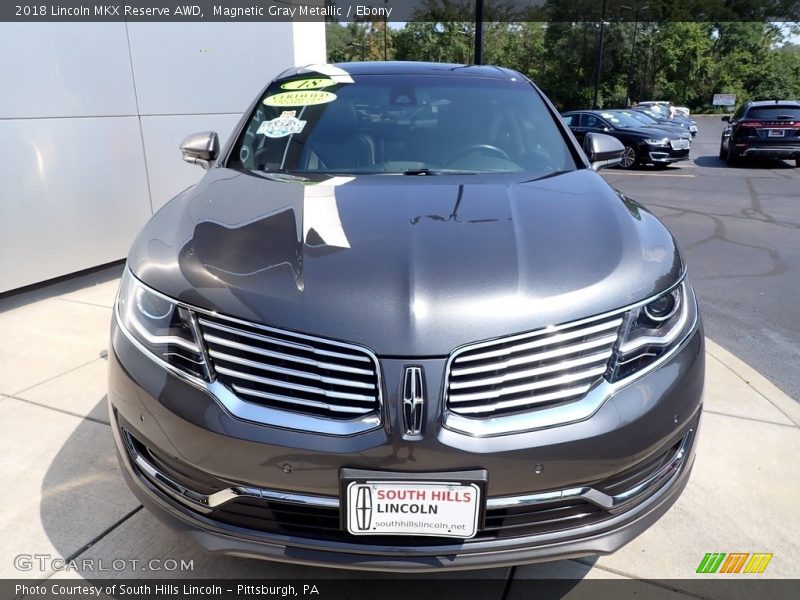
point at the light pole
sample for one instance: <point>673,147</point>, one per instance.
<point>479,32</point>
<point>599,56</point>
<point>632,67</point>
<point>385,32</point>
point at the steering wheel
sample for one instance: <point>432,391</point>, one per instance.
<point>483,148</point>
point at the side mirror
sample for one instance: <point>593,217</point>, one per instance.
<point>201,148</point>
<point>726,118</point>
<point>602,150</point>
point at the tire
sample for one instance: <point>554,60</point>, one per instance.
<point>732,158</point>
<point>723,154</point>
<point>797,163</point>
<point>630,158</point>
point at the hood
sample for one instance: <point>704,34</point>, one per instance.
<point>673,131</point>
<point>408,266</point>
<point>647,131</point>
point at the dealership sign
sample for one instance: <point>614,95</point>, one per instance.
<point>724,100</point>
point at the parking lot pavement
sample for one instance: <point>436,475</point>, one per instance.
<point>56,452</point>
<point>739,231</point>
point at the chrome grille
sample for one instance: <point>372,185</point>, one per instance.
<point>549,366</point>
<point>681,144</point>
<point>289,371</point>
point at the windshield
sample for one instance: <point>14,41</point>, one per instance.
<point>774,113</point>
<point>379,124</point>
<point>620,119</point>
<point>641,117</point>
<point>651,114</point>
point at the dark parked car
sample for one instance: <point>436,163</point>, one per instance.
<point>379,338</point>
<point>767,129</point>
<point>685,123</point>
<point>649,121</point>
<point>643,144</point>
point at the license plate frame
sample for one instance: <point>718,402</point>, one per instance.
<point>452,509</point>
<point>774,133</point>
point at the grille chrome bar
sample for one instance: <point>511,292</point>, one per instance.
<point>545,341</point>
<point>549,367</point>
<point>567,364</point>
<point>280,356</point>
<point>293,386</point>
<point>301,402</point>
<point>529,387</point>
<point>606,341</point>
<point>273,340</point>
<point>267,368</point>
<point>283,371</point>
<point>571,393</point>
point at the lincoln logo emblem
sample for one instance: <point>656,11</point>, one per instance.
<point>364,508</point>
<point>413,400</point>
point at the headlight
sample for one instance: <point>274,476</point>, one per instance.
<point>653,329</point>
<point>659,142</point>
<point>160,326</point>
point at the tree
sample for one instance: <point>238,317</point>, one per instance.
<point>358,41</point>
<point>686,62</point>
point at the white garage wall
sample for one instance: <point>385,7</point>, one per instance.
<point>91,115</point>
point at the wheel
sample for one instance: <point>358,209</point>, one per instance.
<point>723,154</point>
<point>732,158</point>
<point>629,158</point>
<point>797,163</point>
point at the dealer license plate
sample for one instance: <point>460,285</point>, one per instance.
<point>413,508</point>
<point>776,133</point>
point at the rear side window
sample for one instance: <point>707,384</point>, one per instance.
<point>738,114</point>
<point>774,113</point>
<point>593,122</point>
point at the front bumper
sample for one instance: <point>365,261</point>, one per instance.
<point>191,432</point>
<point>667,155</point>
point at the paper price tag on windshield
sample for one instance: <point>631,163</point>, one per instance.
<point>300,98</point>
<point>286,124</point>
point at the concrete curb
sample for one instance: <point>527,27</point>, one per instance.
<point>755,380</point>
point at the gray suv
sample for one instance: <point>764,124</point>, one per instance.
<point>403,324</point>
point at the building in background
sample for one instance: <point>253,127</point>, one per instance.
<point>91,116</point>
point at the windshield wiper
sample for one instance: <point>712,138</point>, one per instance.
<point>426,171</point>
<point>281,173</point>
<point>420,172</point>
<point>549,175</point>
<point>276,170</point>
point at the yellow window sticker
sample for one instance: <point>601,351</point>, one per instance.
<point>308,84</point>
<point>300,98</point>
